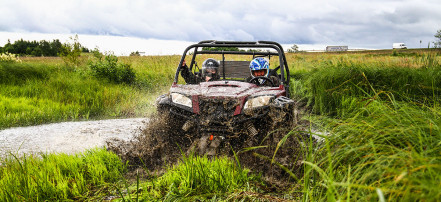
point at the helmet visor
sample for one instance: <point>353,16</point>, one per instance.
<point>261,72</point>
<point>210,72</point>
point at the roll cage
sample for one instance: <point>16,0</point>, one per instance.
<point>269,45</point>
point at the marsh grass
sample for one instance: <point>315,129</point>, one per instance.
<point>18,73</point>
<point>392,148</point>
<point>383,130</point>
<point>333,83</point>
<point>64,97</point>
<point>43,90</point>
<point>197,178</point>
<point>155,73</point>
<point>58,176</point>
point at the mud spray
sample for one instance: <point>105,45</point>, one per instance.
<point>277,154</point>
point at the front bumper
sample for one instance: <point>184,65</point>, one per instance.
<point>217,116</point>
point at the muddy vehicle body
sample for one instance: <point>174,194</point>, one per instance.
<point>230,110</point>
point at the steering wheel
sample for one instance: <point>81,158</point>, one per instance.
<point>255,80</point>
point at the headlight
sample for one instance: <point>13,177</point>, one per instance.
<point>258,101</point>
<point>181,99</point>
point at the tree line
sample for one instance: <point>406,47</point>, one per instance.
<point>36,48</point>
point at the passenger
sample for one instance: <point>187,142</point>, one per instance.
<point>259,67</point>
<point>210,72</point>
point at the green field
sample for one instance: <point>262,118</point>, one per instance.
<point>377,113</point>
<point>43,90</point>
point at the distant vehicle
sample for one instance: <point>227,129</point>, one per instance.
<point>336,48</point>
<point>399,46</point>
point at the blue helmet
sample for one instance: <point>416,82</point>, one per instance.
<point>259,64</point>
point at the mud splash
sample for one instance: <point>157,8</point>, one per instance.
<point>277,154</point>
<point>158,144</point>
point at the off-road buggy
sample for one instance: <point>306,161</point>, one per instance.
<point>230,111</point>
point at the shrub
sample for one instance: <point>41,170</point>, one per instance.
<point>109,68</point>
<point>8,57</point>
<point>71,52</point>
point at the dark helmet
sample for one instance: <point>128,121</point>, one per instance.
<point>210,68</point>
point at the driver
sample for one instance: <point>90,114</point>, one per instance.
<point>210,72</point>
<point>259,67</point>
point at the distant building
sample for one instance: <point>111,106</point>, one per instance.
<point>336,48</point>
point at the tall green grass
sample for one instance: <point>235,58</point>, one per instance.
<point>154,72</point>
<point>19,73</point>
<point>198,178</point>
<point>49,177</point>
<point>333,83</point>
<point>384,149</point>
<point>44,90</point>
<point>64,97</point>
<point>379,124</point>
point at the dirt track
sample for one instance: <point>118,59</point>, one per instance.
<point>68,137</point>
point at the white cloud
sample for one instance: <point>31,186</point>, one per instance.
<point>369,23</point>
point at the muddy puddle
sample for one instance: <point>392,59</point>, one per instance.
<point>68,137</point>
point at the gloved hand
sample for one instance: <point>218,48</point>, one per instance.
<point>183,66</point>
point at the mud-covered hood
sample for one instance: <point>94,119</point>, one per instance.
<point>229,89</point>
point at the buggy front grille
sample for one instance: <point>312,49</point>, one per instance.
<point>217,111</point>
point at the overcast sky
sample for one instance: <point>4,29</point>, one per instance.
<point>167,26</point>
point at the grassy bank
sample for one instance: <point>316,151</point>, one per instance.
<point>196,178</point>
<point>43,90</point>
<point>382,121</point>
<point>383,150</point>
<point>332,84</point>
<point>48,177</point>
<point>97,175</point>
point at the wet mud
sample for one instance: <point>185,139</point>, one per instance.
<point>275,152</point>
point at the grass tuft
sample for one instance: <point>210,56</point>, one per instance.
<point>57,176</point>
<point>198,178</point>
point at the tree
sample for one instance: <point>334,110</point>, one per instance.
<point>294,48</point>
<point>37,51</point>
<point>8,47</point>
<point>71,51</point>
<point>437,44</point>
<point>135,53</point>
<point>45,48</point>
<point>20,46</point>
<point>35,48</point>
<point>56,47</point>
